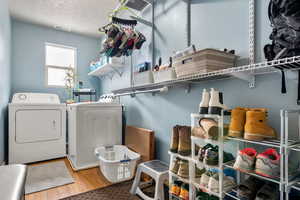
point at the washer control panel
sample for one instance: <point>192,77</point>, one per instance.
<point>35,98</point>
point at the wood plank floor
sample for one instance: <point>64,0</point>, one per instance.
<point>85,180</point>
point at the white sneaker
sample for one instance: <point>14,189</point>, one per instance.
<point>205,179</point>
<point>228,183</point>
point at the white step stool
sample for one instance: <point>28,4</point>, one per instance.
<point>159,171</point>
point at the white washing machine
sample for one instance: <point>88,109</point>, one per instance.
<point>37,128</point>
<point>91,125</point>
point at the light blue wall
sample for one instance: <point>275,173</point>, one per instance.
<point>217,24</point>
<point>28,57</point>
<point>5,43</point>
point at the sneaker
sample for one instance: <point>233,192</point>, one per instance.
<point>248,189</point>
<point>268,192</point>
<point>268,163</point>
<point>205,178</point>
<point>202,195</point>
<point>202,150</point>
<point>175,188</point>
<point>184,191</point>
<point>183,170</point>
<point>228,183</point>
<point>174,167</point>
<point>211,157</point>
<point>245,160</point>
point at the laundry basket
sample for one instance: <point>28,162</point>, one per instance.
<point>117,163</point>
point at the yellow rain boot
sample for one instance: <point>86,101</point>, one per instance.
<point>256,127</point>
<point>237,122</point>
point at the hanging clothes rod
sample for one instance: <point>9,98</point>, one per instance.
<point>160,90</point>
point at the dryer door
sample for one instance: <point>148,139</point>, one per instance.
<point>38,125</point>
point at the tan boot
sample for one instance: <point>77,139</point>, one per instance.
<point>174,139</point>
<point>184,145</point>
<point>237,122</point>
<point>174,167</point>
<point>183,170</point>
<point>256,127</point>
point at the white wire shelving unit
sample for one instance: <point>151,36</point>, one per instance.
<point>286,180</point>
<point>245,72</point>
<point>294,181</point>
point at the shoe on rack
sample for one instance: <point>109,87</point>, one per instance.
<point>203,107</point>
<point>184,144</point>
<point>175,188</point>
<point>183,170</point>
<point>211,157</point>
<point>205,178</point>
<point>245,160</point>
<point>202,151</point>
<point>184,191</point>
<point>256,127</point>
<point>237,122</point>
<point>268,163</point>
<point>202,195</point>
<point>174,139</point>
<point>174,167</point>
<point>268,192</point>
<point>199,172</point>
<point>228,183</point>
<point>208,129</point>
<point>247,190</point>
<point>216,102</point>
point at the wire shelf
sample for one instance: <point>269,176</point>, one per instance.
<point>274,180</point>
<point>292,63</point>
<point>270,143</point>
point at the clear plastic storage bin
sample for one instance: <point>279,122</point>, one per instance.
<point>117,163</point>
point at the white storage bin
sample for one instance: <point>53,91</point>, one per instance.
<point>164,75</point>
<point>117,163</point>
<point>143,78</point>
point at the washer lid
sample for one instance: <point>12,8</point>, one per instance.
<point>35,98</point>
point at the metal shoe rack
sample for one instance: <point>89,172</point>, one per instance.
<point>194,183</point>
<point>284,145</point>
<point>287,181</point>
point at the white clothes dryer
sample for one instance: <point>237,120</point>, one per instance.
<point>37,128</point>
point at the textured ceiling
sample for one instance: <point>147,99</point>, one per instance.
<point>80,16</point>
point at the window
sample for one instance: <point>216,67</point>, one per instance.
<point>59,61</point>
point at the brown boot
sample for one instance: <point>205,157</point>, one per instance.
<point>184,146</point>
<point>174,139</point>
<point>256,127</point>
<point>237,122</point>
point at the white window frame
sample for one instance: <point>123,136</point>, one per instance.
<point>58,67</point>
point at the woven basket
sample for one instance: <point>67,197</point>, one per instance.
<point>203,61</point>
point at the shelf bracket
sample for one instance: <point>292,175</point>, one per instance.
<point>119,72</point>
<point>250,78</point>
<point>143,21</point>
<point>188,88</point>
